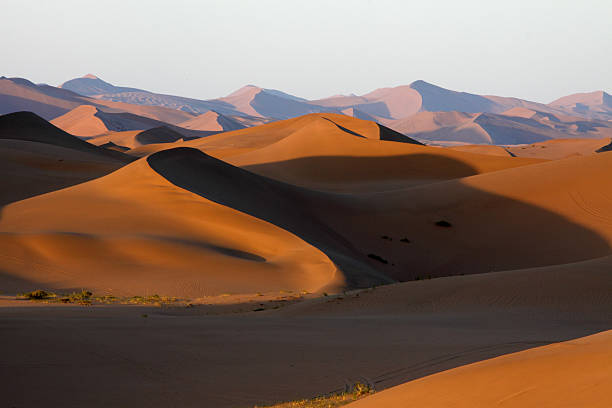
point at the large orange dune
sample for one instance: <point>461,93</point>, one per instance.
<point>133,232</point>
<point>574,373</point>
<point>340,153</point>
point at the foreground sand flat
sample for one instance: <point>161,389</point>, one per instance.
<point>575,373</point>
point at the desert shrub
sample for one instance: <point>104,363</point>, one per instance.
<point>444,223</point>
<point>37,295</point>
<point>405,240</point>
<point>378,258</point>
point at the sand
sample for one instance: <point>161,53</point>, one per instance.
<point>314,151</point>
<point>325,204</point>
<point>570,374</point>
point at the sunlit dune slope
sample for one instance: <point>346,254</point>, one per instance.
<point>483,149</point>
<point>574,373</point>
<point>133,232</point>
<point>337,152</point>
<point>559,148</point>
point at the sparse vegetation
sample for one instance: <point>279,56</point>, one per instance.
<point>388,238</point>
<point>378,258</point>
<point>358,391</point>
<point>405,240</point>
<point>86,297</point>
<point>37,295</point>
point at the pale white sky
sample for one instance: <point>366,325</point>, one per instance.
<point>534,49</point>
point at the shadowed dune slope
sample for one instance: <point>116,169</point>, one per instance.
<point>577,290</point>
<point>544,214</point>
<point>31,168</point>
<point>574,373</point>
<point>337,152</point>
<point>27,126</point>
<point>36,157</point>
<point>134,233</point>
<point>284,205</point>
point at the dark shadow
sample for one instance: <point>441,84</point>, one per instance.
<point>281,204</point>
<point>347,227</point>
<point>391,135</point>
<point>161,134</point>
<point>334,169</point>
<point>343,128</point>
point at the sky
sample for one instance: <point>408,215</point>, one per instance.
<point>536,50</point>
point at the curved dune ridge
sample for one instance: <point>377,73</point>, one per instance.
<point>574,373</point>
<point>133,232</point>
<point>340,153</point>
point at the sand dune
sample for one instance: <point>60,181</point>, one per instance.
<point>559,148</point>
<point>136,138</point>
<point>316,150</point>
<point>486,149</point>
<point>38,157</point>
<point>17,94</point>
<point>498,221</point>
<point>571,374</point>
<point>580,290</point>
<point>89,121</point>
<point>133,232</point>
<point>515,126</point>
<point>596,104</point>
<point>212,121</point>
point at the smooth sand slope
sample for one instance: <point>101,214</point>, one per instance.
<point>571,374</point>
<point>483,149</point>
<point>385,336</point>
<point>340,153</point>
<point>212,121</point>
<point>559,148</point>
<point>132,232</point>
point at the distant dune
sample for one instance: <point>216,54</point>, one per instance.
<point>212,121</point>
<point>515,126</point>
